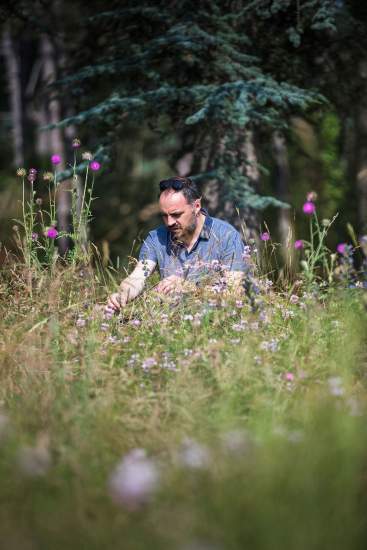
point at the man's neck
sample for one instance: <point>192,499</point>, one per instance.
<point>191,239</point>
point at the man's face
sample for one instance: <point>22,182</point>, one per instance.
<point>178,215</point>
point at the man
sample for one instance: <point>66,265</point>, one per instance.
<point>190,246</point>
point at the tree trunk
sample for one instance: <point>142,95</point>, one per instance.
<point>15,96</point>
<point>361,151</point>
<point>56,139</point>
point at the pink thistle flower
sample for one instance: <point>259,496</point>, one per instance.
<point>55,159</point>
<point>265,236</point>
<point>95,166</point>
<point>298,244</point>
<point>289,376</point>
<point>341,248</point>
<point>52,233</point>
<point>309,208</point>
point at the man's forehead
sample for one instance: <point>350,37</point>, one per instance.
<point>172,201</point>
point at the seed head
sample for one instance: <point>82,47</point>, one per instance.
<point>87,155</point>
<point>21,172</point>
<point>48,176</point>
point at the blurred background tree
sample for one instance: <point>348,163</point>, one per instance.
<point>260,101</point>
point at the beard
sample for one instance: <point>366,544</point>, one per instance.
<point>187,232</point>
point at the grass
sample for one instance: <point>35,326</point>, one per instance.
<point>256,422</point>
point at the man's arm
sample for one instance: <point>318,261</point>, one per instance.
<point>132,286</point>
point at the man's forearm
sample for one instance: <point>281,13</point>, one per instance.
<point>134,284</point>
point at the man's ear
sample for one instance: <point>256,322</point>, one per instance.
<point>197,205</point>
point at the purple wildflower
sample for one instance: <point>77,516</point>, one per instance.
<point>265,236</point>
<point>309,208</point>
<point>95,166</point>
<point>34,236</point>
<point>341,248</point>
<point>55,159</point>
<point>298,244</point>
<point>52,233</point>
<point>32,175</point>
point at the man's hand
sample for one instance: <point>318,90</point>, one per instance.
<point>170,284</point>
<point>115,302</point>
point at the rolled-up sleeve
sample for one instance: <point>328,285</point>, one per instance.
<point>148,250</point>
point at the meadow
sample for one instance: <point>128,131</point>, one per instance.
<point>207,420</point>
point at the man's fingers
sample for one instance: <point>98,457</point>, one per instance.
<point>114,302</point>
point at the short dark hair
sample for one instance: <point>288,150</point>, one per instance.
<point>187,186</point>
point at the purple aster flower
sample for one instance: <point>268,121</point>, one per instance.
<point>52,233</point>
<point>341,248</point>
<point>298,244</point>
<point>309,208</point>
<point>95,166</point>
<point>265,236</point>
<point>55,159</point>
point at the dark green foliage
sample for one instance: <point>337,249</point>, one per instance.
<point>200,71</point>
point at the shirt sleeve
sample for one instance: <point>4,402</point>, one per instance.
<point>232,252</point>
<point>148,250</point>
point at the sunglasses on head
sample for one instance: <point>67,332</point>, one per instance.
<point>177,185</point>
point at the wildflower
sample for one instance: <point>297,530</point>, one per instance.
<point>265,236</point>
<point>76,143</point>
<point>325,222</point>
<point>80,322</point>
<point>311,196</point>
<point>148,363</point>
<point>134,480</point>
<point>298,244</point>
<point>187,317</point>
<point>271,345</point>
<point>235,441</point>
<point>39,201</point>
<point>48,176</point>
<point>35,461</point>
<point>336,386</point>
<point>239,303</point>
<point>95,166</point>
<point>193,455</point>
<point>309,208</point>
<point>15,228</point>
<point>32,175</point>
<point>55,159</point>
<point>341,248</point>
<point>52,233</point>
<point>289,376</point>
<point>34,236</point>
<point>87,155</point>
<point>21,172</point>
<point>105,327</point>
<point>135,322</point>
<point>294,299</point>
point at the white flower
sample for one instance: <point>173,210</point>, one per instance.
<point>134,480</point>
<point>193,455</point>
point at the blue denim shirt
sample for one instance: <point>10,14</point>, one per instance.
<point>219,246</point>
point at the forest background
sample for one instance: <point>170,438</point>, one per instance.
<point>261,101</point>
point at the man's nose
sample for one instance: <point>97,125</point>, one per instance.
<point>171,221</point>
